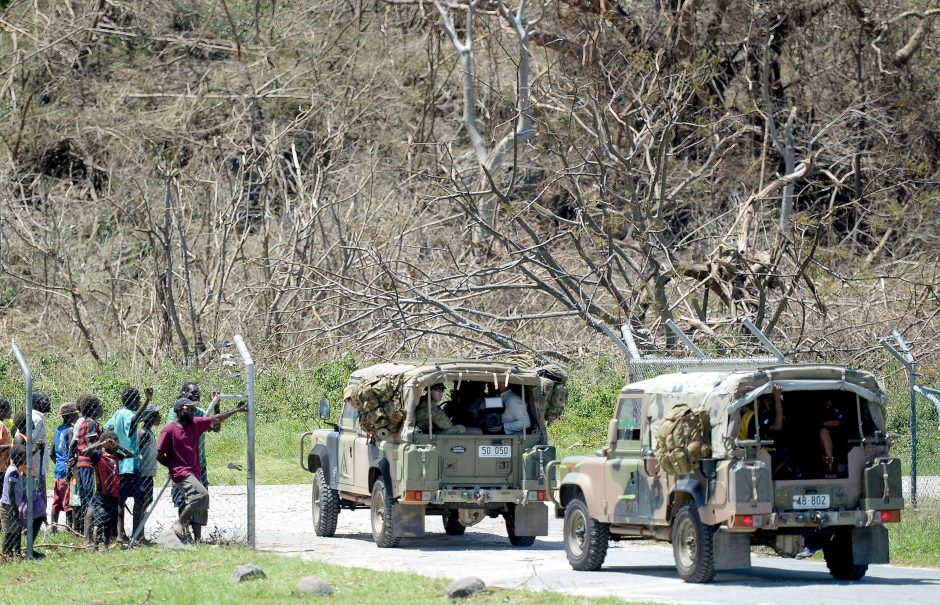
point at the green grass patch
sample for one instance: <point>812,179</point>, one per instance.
<point>202,576</point>
<point>916,539</point>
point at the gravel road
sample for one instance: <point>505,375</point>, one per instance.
<point>634,570</point>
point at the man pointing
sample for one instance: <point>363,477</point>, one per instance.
<point>178,450</point>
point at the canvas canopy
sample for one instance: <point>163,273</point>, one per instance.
<point>388,393</point>
<point>723,393</point>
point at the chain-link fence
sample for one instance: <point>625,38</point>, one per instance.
<point>919,446</point>
<point>730,346</point>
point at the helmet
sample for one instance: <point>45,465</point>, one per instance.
<point>190,391</point>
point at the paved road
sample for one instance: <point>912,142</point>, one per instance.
<point>634,570</point>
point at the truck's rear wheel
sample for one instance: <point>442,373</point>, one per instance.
<point>586,539</point>
<point>693,546</point>
<point>381,515</point>
<point>838,553</point>
<point>452,524</point>
<point>510,517</point>
<point>325,505</point>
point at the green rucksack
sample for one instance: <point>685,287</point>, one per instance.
<point>682,440</point>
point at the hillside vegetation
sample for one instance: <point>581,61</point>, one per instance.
<point>398,177</point>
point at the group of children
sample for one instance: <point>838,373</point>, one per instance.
<point>97,468</point>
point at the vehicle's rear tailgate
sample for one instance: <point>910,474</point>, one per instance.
<point>480,460</point>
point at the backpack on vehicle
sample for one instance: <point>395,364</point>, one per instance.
<point>682,440</point>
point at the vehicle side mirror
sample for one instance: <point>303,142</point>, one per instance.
<point>324,409</point>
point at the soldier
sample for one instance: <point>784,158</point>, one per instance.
<point>442,423</point>
<point>515,417</point>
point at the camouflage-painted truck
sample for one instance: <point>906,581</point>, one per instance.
<point>378,457</point>
<point>820,478</point>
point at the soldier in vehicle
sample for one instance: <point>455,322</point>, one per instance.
<point>832,422</point>
<point>515,417</point>
<point>442,423</point>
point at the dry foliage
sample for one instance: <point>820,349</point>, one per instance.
<point>407,177</point>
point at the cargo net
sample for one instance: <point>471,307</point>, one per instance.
<point>714,348</point>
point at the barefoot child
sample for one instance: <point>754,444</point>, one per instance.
<point>146,465</point>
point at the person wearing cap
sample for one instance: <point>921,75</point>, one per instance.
<point>178,450</point>
<point>146,466</point>
<point>440,420</point>
<point>123,422</point>
<point>59,454</point>
<point>190,391</point>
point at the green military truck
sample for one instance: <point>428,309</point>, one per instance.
<point>792,457</point>
<point>406,460</point>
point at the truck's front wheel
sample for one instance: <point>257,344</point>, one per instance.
<point>586,539</point>
<point>838,553</point>
<point>693,546</point>
<point>381,513</point>
<point>325,505</point>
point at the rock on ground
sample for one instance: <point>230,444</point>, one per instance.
<point>243,573</point>
<point>170,541</point>
<point>464,587</point>
<point>314,585</point>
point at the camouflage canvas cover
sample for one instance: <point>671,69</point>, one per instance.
<point>721,393</point>
<point>388,393</point>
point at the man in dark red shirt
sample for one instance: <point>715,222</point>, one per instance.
<point>178,450</point>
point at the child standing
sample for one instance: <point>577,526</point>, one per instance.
<point>146,465</point>
<point>105,455</point>
<point>61,493</point>
<point>13,496</point>
<point>86,433</point>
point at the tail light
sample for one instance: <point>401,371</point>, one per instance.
<point>744,521</point>
<point>414,495</point>
<point>890,516</point>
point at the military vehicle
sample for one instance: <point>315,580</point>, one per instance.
<point>700,459</point>
<point>406,460</point>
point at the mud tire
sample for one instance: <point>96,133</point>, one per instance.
<point>693,546</point>
<point>510,518</point>
<point>838,554</point>
<point>324,503</point>
<point>586,539</point>
<point>380,514</point>
<point>452,524</point>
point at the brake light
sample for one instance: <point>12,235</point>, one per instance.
<point>540,496</point>
<point>890,516</point>
<point>414,495</point>
<point>744,520</point>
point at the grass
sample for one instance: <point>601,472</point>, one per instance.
<point>158,576</point>
<point>916,540</point>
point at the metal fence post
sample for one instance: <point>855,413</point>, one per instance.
<point>250,396</point>
<point>906,358</point>
<point>766,342</point>
<point>30,481</point>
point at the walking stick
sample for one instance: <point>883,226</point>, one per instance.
<point>143,522</point>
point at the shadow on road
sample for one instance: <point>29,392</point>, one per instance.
<point>434,542</point>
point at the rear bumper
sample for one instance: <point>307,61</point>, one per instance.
<point>809,519</point>
<point>480,497</point>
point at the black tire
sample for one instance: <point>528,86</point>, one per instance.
<point>585,538</point>
<point>510,518</point>
<point>838,554</point>
<point>380,513</point>
<point>452,524</point>
<point>325,505</point>
<point>693,546</point>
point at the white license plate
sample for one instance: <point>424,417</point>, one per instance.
<point>495,451</point>
<point>811,501</point>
